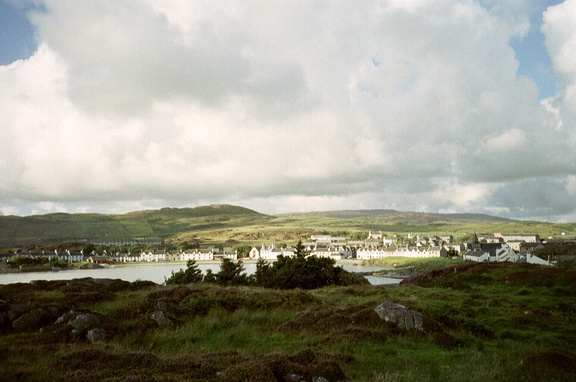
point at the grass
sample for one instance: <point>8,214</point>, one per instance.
<point>487,322</point>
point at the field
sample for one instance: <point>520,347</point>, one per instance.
<point>482,322</point>
<point>232,225</point>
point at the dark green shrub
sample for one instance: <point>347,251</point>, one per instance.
<point>192,274</point>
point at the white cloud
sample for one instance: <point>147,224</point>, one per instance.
<point>284,105</point>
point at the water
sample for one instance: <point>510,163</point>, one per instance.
<point>156,272</point>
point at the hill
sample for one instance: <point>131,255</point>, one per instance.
<point>163,223</point>
<point>231,225</point>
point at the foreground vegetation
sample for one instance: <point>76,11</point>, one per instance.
<point>482,322</point>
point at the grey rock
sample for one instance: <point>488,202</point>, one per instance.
<point>29,321</point>
<point>160,318</point>
<point>53,311</point>
<point>161,305</point>
<point>398,314</point>
<point>16,310</point>
<point>66,317</point>
<point>75,334</point>
<point>84,321</point>
<point>96,335</point>
<point>293,378</point>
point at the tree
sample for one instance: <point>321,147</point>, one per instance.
<point>451,252</point>
<point>209,277</point>
<point>304,272</point>
<point>192,274</point>
<point>300,250</point>
<point>243,250</point>
<point>264,274</point>
<point>231,273</point>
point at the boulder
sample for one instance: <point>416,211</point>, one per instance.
<point>66,317</point>
<point>96,335</point>
<point>29,321</point>
<point>160,318</point>
<point>84,321</point>
<point>399,315</point>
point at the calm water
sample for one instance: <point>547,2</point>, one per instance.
<point>155,272</point>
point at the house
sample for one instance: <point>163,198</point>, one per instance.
<point>478,256</point>
<point>150,256</point>
<point>447,239</point>
<point>532,259</point>
<point>458,248</point>
<point>197,254</point>
<point>392,240</point>
<point>410,250</point>
<point>375,235</point>
<point>100,259</point>
<point>506,253</point>
<point>270,252</point>
<point>334,252</point>
<point>527,237</point>
<point>227,253</point>
<point>173,255</point>
<point>72,257</point>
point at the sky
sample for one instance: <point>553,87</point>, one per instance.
<point>446,106</point>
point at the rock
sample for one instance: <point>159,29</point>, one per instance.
<point>327,371</point>
<point>29,321</point>
<point>66,317</point>
<point>162,305</point>
<point>75,334</point>
<point>400,315</point>
<point>53,311</point>
<point>160,318</point>
<point>84,321</point>
<point>96,335</point>
<point>17,310</point>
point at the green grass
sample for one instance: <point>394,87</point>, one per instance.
<point>485,319</point>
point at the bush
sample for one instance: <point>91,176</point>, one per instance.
<point>303,272</point>
<point>191,275</point>
<point>231,273</point>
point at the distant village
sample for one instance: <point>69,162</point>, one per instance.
<point>495,247</point>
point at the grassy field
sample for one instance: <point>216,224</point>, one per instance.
<point>483,322</point>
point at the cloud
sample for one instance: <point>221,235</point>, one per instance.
<point>282,106</point>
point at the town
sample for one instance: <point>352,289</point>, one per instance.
<point>494,247</point>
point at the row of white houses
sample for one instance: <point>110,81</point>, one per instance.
<point>145,256</point>
<point>405,251</point>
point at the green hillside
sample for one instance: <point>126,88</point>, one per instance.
<point>43,229</point>
<point>239,225</point>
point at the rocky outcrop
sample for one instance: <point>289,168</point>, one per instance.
<point>26,317</point>
<point>399,315</point>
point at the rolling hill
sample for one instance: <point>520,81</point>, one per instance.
<point>238,225</point>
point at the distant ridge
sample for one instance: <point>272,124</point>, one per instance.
<point>395,216</point>
<point>230,225</point>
